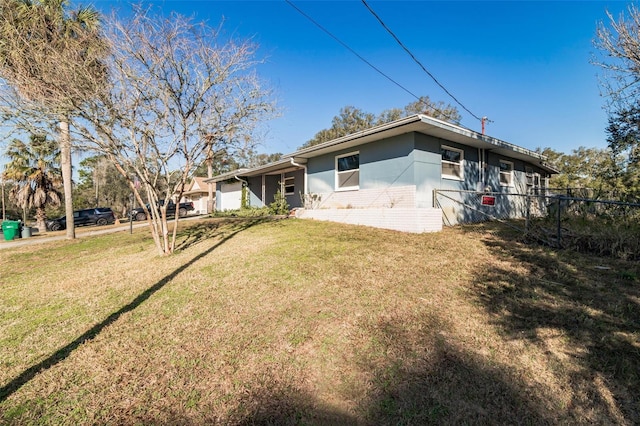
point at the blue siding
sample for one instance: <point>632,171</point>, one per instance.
<point>415,159</point>
<point>294,200</point>
<point>427,160</point>
<point>272,183</point>
<point>519,174</point>
<point>387,163</point>
<point>254,184</point>
<point>383,163</point>
<point>321,173</point>
<point>218,196</point>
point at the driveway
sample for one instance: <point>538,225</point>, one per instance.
<point>81,232</point>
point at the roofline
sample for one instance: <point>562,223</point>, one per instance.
<point>357,135</point>
<point>266,168</point>
<point>228,175</point>
<point>419,123</point>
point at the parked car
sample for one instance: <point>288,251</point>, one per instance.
<point>183,209</point>
<point>97,216</point>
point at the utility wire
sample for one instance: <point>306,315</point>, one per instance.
<point>361,58</point>
<point>417,61</point>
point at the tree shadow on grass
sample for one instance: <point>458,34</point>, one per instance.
<point>590,305</point>
<point>426,378</point>
<point>61,354</point>
<point>412,373</point>
<point>193,234</point>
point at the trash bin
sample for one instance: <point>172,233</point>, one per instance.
<point>26,231</point>
<point>10,229</point>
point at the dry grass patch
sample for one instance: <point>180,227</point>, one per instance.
<point>301,322</point>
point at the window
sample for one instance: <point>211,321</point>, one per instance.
<point>506,173</point>
<point>452,162</point>
<point>348,171</point>
<point>289,186</point>
<point>530,176</point>
<point>533,179</point>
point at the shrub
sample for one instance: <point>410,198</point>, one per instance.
<point>279,205</point>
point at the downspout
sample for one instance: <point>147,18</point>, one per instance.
<point>242,184</point>
<point>481,169</point>
<point>304,167</point>
<point>485,180</point>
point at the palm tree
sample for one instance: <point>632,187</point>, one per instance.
<point>35,170</point>
<point>52,57</point>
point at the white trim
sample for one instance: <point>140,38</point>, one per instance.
<point>461,164</point>
<point>337,173</point>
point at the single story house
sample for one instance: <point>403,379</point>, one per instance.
<point>388,176</point>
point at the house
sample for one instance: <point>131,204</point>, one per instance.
<point>198,193</point>
<point>389,175</point>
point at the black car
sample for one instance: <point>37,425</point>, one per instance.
<point>183,210</point>
<point>97,216</point>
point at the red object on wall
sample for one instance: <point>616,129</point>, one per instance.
<point>488,200</point>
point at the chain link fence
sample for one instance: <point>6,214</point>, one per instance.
<point>558,219</point>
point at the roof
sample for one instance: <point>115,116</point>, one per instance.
<point>415,123</point>
<point>197,185</point>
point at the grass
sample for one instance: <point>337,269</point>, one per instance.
<point>302,322</point>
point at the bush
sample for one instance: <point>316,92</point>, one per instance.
<point>247,212</point>
<point>279,205</point>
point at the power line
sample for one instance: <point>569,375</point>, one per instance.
<point>363,59</point>
<point>417,61</point>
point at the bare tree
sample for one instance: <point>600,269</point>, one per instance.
<point>619,42</point>
<point>176,87</point>
<point>49,64</point>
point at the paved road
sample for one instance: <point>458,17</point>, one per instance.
<point>82,232</point>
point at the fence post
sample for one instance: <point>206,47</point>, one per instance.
<point>559,230</point>
<point>528,212</point>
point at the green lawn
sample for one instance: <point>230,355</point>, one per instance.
<point>302,322</point>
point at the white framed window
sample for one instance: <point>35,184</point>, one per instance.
<point>348,171</point>
<point>452,162</point>
<point>529,175</point>
<point>506,173</point>
<point>533,178</point>
<point>289,185</point>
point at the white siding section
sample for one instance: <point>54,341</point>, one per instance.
<point>388,197</point>
<point>399,219</point>
<point>230,196</point>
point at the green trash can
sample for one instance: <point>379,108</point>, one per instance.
<point>10,229</point>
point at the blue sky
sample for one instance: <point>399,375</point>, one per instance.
<point>524,65</point>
